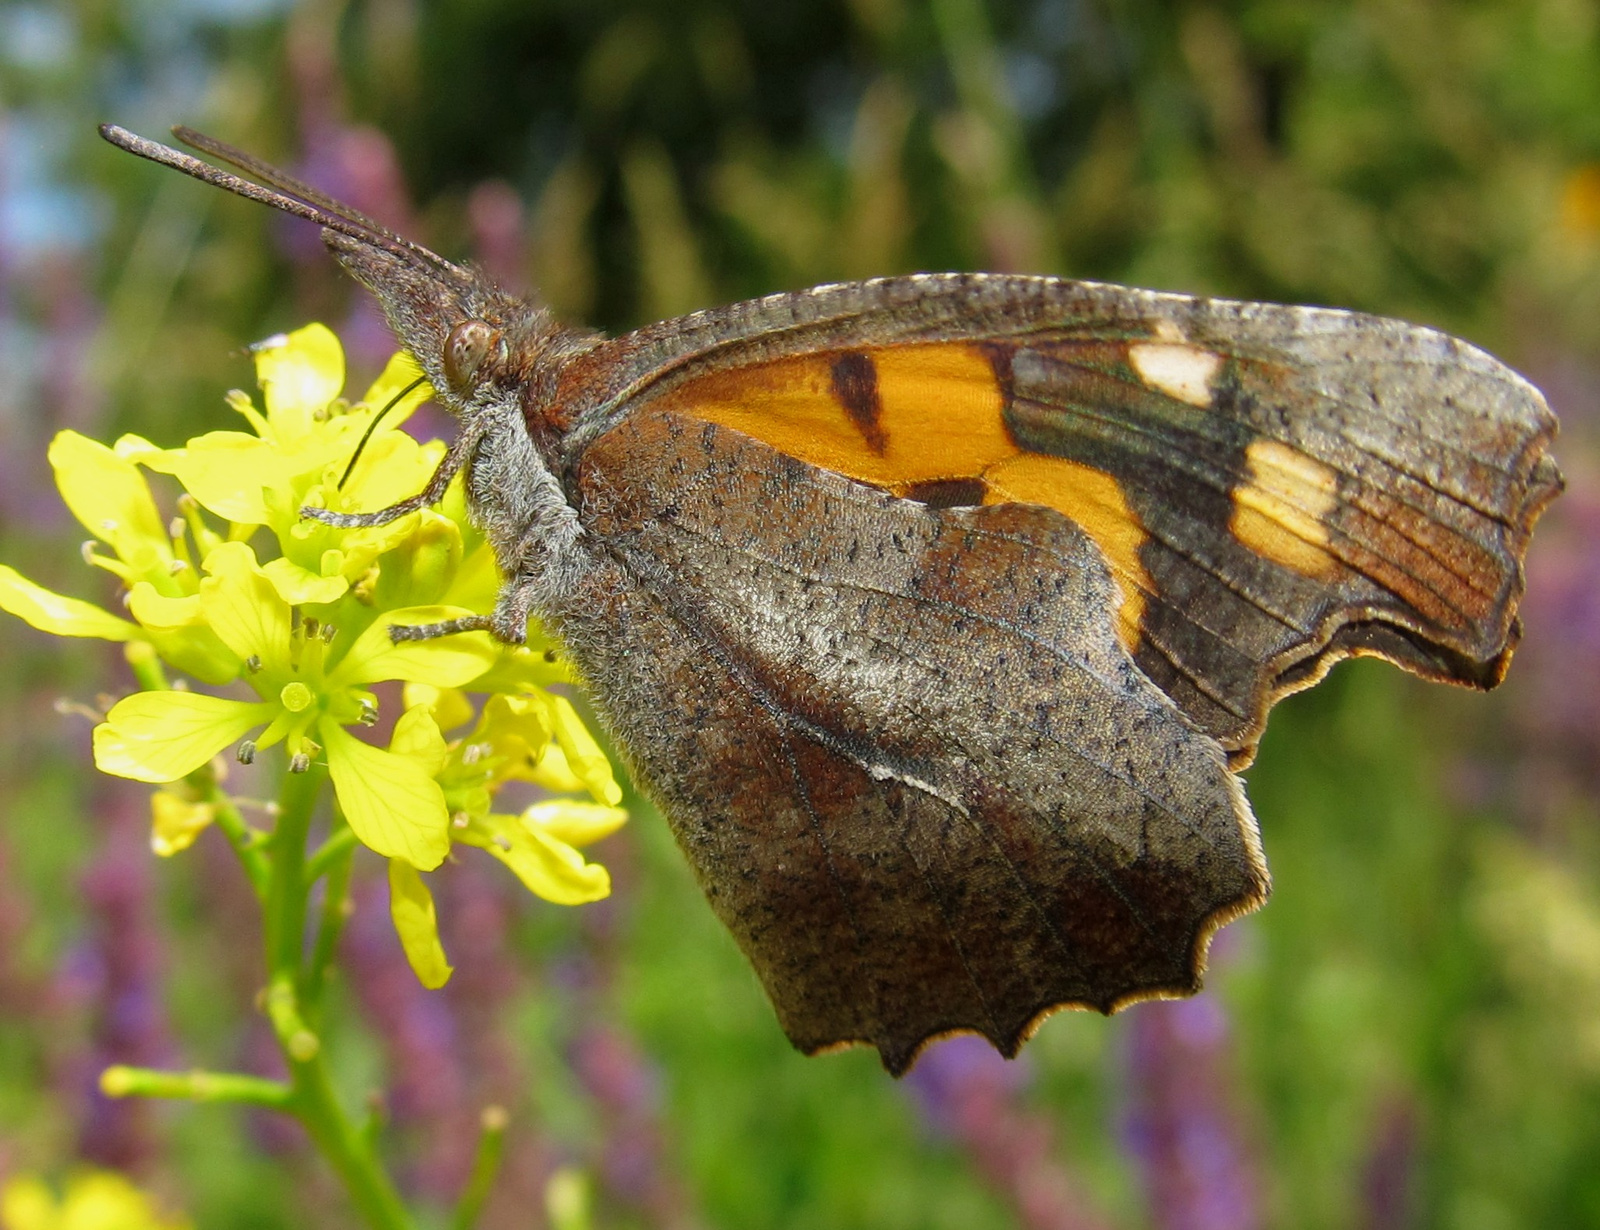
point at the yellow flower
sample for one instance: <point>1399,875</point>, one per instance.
<point>112,500</point>
<point>177,820</point>
<point>298,454</point>
<point>93,1200</point>
<point>532,736</point>
<point>294,616</point>
<point>311,681</point>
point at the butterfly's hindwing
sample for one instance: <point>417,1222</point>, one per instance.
<point>917,773</point>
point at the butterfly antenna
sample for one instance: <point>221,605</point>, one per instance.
<point>284,182</point>
<point>373,426</point>
<point>292,197</point>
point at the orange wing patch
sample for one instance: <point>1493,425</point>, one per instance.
<point>924,422</point>
<point>1282,512</point>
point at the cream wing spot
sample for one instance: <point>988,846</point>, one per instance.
<point>1180,371</point>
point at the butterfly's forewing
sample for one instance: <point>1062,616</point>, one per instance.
<point>1273,487</point>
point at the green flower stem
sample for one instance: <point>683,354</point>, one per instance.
<point>317,1107</point>
<point>373,1122</point>
<point>289,1008</point>
<point>245,841</point>
<point>327,856</point>
<point>121,1081</point>
<point>485,1165</point>
<point>286,887</point>
<point>146,666</point>
<point>334,859</point>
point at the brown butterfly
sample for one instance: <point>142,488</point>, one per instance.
<point>938,612</point>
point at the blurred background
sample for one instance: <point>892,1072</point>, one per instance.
<point>1408,1035</point>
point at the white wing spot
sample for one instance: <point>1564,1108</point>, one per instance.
<point>1180,371</point>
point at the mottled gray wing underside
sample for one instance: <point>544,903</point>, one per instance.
<point>923,796</point>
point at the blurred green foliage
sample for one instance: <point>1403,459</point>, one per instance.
<point>1421,999</point>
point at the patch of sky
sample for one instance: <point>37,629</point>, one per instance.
<point>834,94</point>
<point>39,211</point>
<point>1033,83</point>
<point>36,37</point>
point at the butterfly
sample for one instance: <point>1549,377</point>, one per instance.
<point>939,613</point>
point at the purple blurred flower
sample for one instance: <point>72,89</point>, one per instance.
<point>969,1093</point>
<point>635,1156</point>
<point>626,1089</point>
<point>119,968</point>
<point>1386,1181</point>
<point>1556,684</point>
<point>1183,1126</point>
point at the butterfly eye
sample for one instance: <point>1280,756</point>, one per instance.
<point>465,350</point>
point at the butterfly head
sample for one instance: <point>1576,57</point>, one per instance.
<point>476,343</point>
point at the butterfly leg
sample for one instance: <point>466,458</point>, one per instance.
<point>454,459</point>
<point>509,623</point>
<point>448,627</point>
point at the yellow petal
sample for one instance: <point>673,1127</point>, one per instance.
<point>299,375</point>
<point>518,728</point>
<point>476,583</point>
<point>584,756</point>
<point>444,661</point>
<point>135,448</point>
<point>297,585</point>
<point>163,736</point>
<point>416,735</point>
<point>569,1200</point>
<point>180,633</point>
<point>392,468</point>
<point>242,607</point>
<point>198,652</point>
<point>449,706</point>
<point>363,547</point>
<point>27,1203</point>
<point>112,754</point>
<point>177,821</point>
<point>574,822</point>
<point>417,925</point>
<point>110,497</point>
<point>553,772</point>
<point>414,694</point>
<point>400,371</point>
<point>56,613</point>
<point>547,868</point>
<point>420,570</point>
<point>104,1200</point>
<point>392,803</point>
<point>227,471</point>
<point>527,670</point>
<point>156,611</point>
